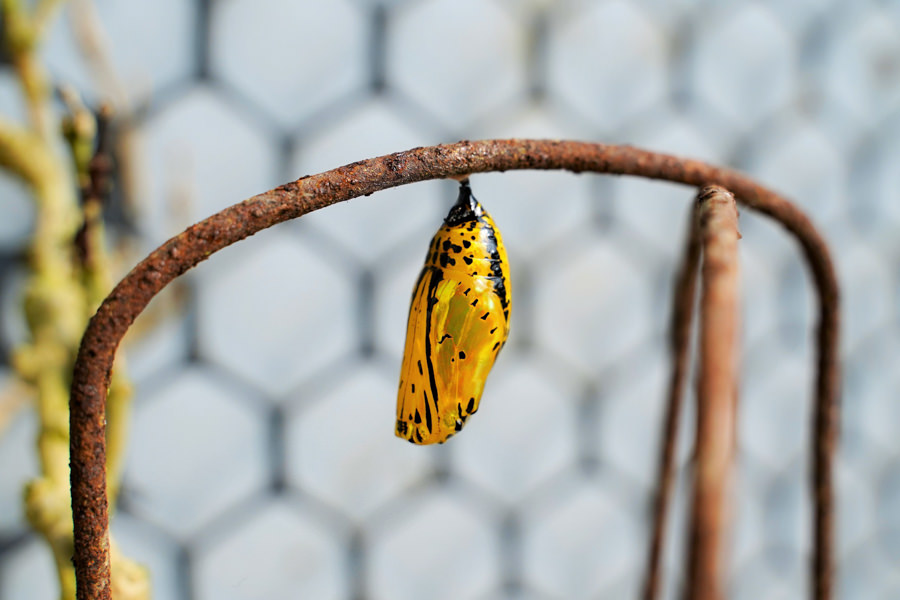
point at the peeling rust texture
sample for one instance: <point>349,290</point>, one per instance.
<point>198,242</point>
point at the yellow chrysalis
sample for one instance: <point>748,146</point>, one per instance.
<point>458,323</point>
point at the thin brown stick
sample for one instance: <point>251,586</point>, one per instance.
<point>198,242</point>
<point>717,378</point>
<point>679,345</point>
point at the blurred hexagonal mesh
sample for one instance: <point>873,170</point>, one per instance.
<point>262,461</point>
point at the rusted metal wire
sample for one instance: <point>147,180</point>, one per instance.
<point>198,242</point>
<point>679,346</point>
<point>717,380</point>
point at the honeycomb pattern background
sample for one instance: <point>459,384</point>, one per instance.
<point>262,462</point>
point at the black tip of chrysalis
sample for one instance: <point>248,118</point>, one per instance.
<point>466,208</point>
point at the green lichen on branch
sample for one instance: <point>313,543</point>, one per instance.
<point>63,289</point>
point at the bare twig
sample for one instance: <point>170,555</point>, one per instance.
<point>292,200</point>
<point>93,43</point>
<point>79,128</point>
<point>94,46</point>
<point>679,346</point>
<point>716,393</point>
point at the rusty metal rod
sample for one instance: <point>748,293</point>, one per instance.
<point>679,346</point>
<point>116,314</point>
<point>717,381</point>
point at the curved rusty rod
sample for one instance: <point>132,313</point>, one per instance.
<point>116,314</point>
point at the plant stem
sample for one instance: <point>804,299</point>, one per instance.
<point>57,296</point>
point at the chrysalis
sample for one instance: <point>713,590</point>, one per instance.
<point>458,322</point>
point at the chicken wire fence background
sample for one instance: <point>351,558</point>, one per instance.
<point>262,462</point>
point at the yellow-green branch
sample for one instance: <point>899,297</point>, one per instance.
<point>60,294</point>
